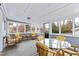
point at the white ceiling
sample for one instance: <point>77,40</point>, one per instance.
<point>40,12</point>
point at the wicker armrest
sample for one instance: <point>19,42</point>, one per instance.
<point>70,52</point>
<point>52,52</point>
<point>75,46</point>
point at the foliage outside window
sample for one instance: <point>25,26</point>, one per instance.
<point>20,27</point>
<point>33,29</point>
<point>27,28</point>
<point>55,27</point>
<point>41,30</point>
<point>12,27</point>
<point>76,26</point>
<point>46,27</point>
<point>66,26</point>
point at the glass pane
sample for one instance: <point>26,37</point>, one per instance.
<point>12,27</point>
<point>66,26</point>
<point>55,27</point>
<point>20,27</point>
<point>46,27</point>
<point>41,30</point>
<point>76,26</point>
<point>76,22</point>
<point>27,28</point>
<point>33,29</point>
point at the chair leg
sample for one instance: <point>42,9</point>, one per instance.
<point>62,53</point>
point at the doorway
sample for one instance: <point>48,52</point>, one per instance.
<point>46,30</point>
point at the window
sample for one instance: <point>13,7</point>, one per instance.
<point>27,28</point>
<point>20,27</point>
<point>46,27</point>
<point>41,30</point>
<point>33,29</point>
<point>55,27</point>
<point>76,27</point>
<point>66,26</point>
<point>12,27</point>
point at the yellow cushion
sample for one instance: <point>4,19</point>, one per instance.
<point>40,38</point>
<point>33,34</point>
<point>62,38</point>
<point>18,35</point>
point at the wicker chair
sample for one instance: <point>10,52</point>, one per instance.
<point>75,47</point>
<point>62,38</point>
<point>43,50</point>
<point>39,38</point>
<point>70,52</point>
<point>10,41</point>
<point>18,37</point>
<point>33,35</point>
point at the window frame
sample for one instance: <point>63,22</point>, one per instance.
<point>17,27</point>
<point>58,27</point>
<point>44,27</point>
<point>73,29</point>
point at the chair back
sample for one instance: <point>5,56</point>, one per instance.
<point>42,49</point>
<point>62,38</point>
<point>70,52</point>
<point>40,38</point>
<point>17,34</point>
<point>33,34</point>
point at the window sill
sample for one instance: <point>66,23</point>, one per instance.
<point>63,34</point>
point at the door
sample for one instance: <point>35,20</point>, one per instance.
<point>46,30</point>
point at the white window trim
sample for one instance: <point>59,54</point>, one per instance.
<point>16,28</point>
<point>73,31</point>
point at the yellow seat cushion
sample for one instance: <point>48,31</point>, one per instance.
<point>33,33</point>
<point>18,37</point>
<point>62,38</point>
<point>40,38</point>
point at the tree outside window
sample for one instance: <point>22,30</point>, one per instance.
<point>66,26</point>
<point>55,27</point>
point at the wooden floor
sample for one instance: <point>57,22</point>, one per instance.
<point>24,48</point>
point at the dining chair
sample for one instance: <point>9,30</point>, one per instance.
<point>75,47</point>
<point>39,38</point>
<point>62,38</point>
<point>70,52</point>
<point>43,50</point>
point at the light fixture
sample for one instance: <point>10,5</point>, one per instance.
<point>0,4</point>
<point>28,17</point>
<point>14,24</point>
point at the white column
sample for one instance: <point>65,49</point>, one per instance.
<point>73,20</point>
<point>1,31</point>
<point>59,23</point>
<point>50,28</point>
<point>50,32</point>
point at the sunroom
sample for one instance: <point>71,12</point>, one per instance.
<point>39,29</point>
